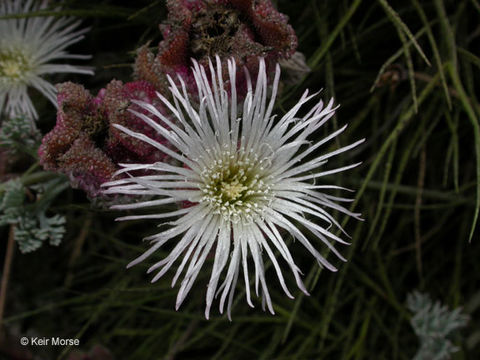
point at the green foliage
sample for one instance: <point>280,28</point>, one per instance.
<point>432,323</point>
<point>19,135</point>
<point>32,226</point>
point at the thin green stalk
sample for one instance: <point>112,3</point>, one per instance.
<point>436,53</point>
<point>402,123</point>
<point>476,134</point>
<point>320,53</point>
<point>447,32</point>
<point>395,18</point>
<point>383,190</point>
<point>453,126</point>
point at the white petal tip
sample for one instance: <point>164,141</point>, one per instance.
<point>131,264</point>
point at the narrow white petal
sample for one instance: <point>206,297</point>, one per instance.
<point>244,172</point>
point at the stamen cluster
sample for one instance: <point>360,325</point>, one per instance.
<point>14,64</point>
<point>236,185</point>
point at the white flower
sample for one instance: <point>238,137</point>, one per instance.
<point>27,47</point>
<point>243,172</point>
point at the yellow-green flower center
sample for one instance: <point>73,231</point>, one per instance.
<point>236,185</point>
<point>13,65</point>
<point>232,190</point>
